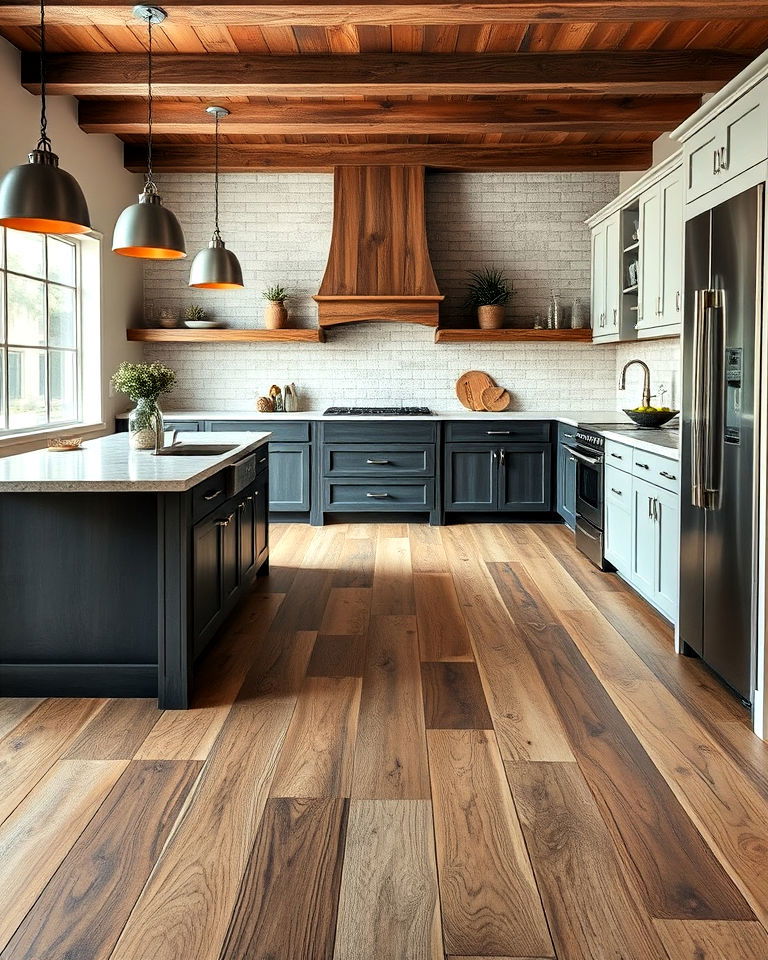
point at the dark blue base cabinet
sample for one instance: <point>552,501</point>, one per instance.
<point>566,475</point>
<point>118,594</point>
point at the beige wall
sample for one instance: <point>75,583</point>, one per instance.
<point>96,161</point>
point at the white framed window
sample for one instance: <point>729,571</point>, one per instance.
<point>43,301</point>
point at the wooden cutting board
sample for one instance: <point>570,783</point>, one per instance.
<point>470,386</point>
<point>495,399</point>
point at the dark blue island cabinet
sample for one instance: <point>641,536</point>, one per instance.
<point>566,475</point>
<point>117,594</point>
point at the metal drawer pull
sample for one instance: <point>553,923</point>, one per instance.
<point>381,463</point>
<point>249,497</point>
<point>643,465</point>
<point>225,523</point>
<point>498,433</point>
<point>614,490</point>
<point>263,460</point>
<point>716,163</point>
<point>650,508</point>
<point>378,496</point>
<point>569,436</point>
<point>677,301</point>
<point>723,158</point>
<point>669,476</point>
<point>212,495</point>
<point>618,456</point>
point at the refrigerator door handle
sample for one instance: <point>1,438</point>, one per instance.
<point>697,412</point>
<point>714,387</point>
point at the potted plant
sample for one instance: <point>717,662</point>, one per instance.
<point>144,383</point>
<point>275,315</point>
<point>489,291</point>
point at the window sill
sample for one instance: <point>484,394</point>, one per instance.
<point>12,443</point>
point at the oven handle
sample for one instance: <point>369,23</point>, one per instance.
<point>580,456</point>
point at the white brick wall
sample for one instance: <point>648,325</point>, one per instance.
<point>279,225</point>
<point>663,359</point>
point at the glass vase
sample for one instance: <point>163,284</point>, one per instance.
<point>145,425</point>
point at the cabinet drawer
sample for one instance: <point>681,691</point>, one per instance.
<point>281,430</point>
<point>658,470</point>
<point>618,455</point>
<point>405,460</point>
<point>731,143</point>
<point>377,431</point>
<point>378,495</point>
<point>182,426</point>
<point>492,431</point>
<point>209,495</point>
<point>618,487</point>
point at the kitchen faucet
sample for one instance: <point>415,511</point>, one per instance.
<point>160,436</point>
<point>646,380</point>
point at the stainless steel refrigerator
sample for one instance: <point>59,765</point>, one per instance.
<point>723,271</point>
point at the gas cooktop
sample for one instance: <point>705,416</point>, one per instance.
<point>378,412</point>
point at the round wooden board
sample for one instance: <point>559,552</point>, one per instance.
<point>495,399</point>
<point>470,386</point>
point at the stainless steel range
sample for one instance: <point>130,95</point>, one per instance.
<point>377,412</point>
<point>587,451</point>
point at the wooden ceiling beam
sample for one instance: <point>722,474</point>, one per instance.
<point>216,75</point>
<point>247,157</point>
<point>585,115</point>
<point>316,13</point>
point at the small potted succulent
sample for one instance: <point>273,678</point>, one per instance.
<point>489,292</point>
<point>275,314</point>
<point>144,383</point>
<point>196,318</point>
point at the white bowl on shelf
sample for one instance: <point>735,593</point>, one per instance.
<point>201,324</point>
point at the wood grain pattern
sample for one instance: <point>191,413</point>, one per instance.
<point>575,864</point>
<point>13,710</point>
<point>115,732</point>
<point>316,758</point>
<point>488,895</point>
<point>41,831</point>
<point>713,939</point>
<point>388,907</point>
<point>511,335</point>
<point>35,743</point>
<point>225,335</point>
<point>356,564</point>
<point>338,656</point>
<point>442,631</point>
<point>83,909</point>
<point>453,697</point>
<point>347,611</point>
<point>391,755</point>
<point>392,579</point>
<point>286,905</point>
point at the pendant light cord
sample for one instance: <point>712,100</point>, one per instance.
<point>44,143</point>
<point>216,232</point>
<point>149,186</point>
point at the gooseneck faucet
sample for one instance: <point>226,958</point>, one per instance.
<point>646,380</point>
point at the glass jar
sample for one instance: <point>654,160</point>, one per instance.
<point>578,314</point>
<point>145,425</point>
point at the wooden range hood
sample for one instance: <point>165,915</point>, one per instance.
<point>378,265</point>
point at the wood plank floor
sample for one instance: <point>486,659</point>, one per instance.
<point>410,743</point>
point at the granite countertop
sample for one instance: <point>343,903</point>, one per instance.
<point>665,441</point>
<point>108,464</point>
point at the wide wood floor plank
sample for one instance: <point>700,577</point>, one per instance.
<point>347,611</point>
<point>287,903</point>
<point>36,743</point>
<point>286,557</point>
<point>526,723</point>
<point>355,568</point>
<point>427,551</point>
<point>713,939</point>
<point>316,757</point>
<point>678,875</point>
<point>391,751</point>
<point>442,631</point>
<point>393,578</point>
<point>453,697</point>
<point>13,710</point>
<point>592,914</point>
<point>338,656</point>
<point>388,907</point>
<point>490,903</point>
<point>42,830</point>
<point>81,912</point>
<point>115,732</point>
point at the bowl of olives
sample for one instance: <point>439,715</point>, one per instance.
<point>651,417</point>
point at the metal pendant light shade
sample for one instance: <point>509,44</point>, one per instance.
<point>39,196</point>
<point>216,268</point>
<point>148,230</point>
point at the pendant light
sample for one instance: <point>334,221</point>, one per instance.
<point>39,196</point>
<point>147,229</point>
<point>216,268</point>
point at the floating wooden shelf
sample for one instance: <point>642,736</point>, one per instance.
<point>510,335</point>
<point>225,335</point>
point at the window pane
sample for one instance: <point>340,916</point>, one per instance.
<point>26,310</point>
<point>26,388</point>
<point>61,316</point>
<point>63,370</point>
<point>61,261</point>
<point>2,389</point>
<point>26,253</point>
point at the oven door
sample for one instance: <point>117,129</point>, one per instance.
<point>589,487</point>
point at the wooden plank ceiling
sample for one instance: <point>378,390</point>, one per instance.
<point>560,85</point>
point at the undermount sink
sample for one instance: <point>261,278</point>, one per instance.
<point>196,450</point>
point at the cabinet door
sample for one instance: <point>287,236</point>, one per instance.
<point>598,279</point>
<point>667,552</point>
<point>566,485</point>
<point>246,532</point>
<point>471,476</point>
<point>618,538</point>
<point>288,477</point>
<point>261,516</point>
<point>613,279</point>
<point>206,579</point>
<point>671,251</point>
<point>643,567</point>
<point>649,294</point>
<point>525,477</point>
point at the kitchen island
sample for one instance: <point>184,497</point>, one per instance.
<point>118,566</point>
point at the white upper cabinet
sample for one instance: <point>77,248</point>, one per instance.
<point>661,258</point>
<point>650,240</point>
<point>606,279</point>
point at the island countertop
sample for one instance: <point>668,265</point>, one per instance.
<point>108,464</point>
